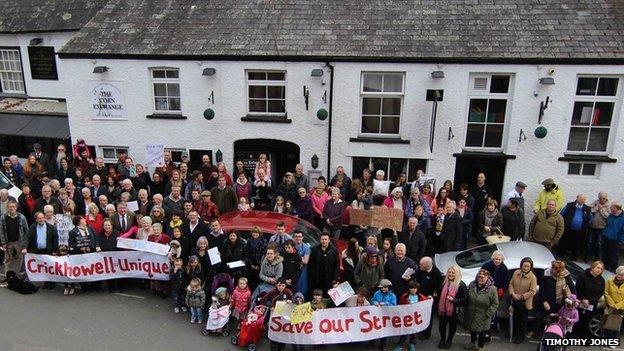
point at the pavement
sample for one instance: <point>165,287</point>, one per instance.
<point>135,320</point>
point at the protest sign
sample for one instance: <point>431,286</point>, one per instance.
<point>301,313</point>
<point>360,217</point>
<point>341,293</point>
<point>96,266</point>
<point>380,217</point>
<point>214,255</point>
<point>283,309</point>
<point>155,155</point>
<point>132,206</point>
<point>381,187</point>
<point>352,324</point>
<point>142,245</point>
<point>63,226</point>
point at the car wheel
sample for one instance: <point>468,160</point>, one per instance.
<point>595,326</point>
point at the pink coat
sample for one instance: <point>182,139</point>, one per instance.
<point>241,299</point>
<point>318,202</point>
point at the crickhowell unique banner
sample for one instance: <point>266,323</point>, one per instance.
<point>97,266</point>
<point>352,324</point>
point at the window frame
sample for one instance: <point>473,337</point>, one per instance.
<point>115,149</point>
<point>387,170</point>
<point>474,94</point>
<point>381,95</point>
<point>176,150</point>
<point>615,100</point>
<point>265,83</point>
<point>165,81</point>
<point>583,164</point>
<point>3,91</point>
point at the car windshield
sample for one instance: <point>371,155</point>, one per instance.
<point>474,258</point>
<point>4,182</point>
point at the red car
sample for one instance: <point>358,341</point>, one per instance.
<point>243,221</point>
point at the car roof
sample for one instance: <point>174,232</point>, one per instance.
<point>515,251</point>
<point>267,221</point>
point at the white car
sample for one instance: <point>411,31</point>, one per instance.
<point>5,183</point>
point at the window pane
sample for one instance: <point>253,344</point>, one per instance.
<point>173,89</point>
<point>607,86</point>
<point>160,89</point>
<point>578,139</point>
<point>277,106</point>
<point>598,138</point>
<point>173,73</point>
<point>496,111</point>
<point>370,124</point>
<point>391,106</point>
<point>493,135</point>
<point>390,125</point>
<point>397,165</point>
<point>582,113</point>
<point>603,111</point>
<point>474,135</point>
<point>393,83</point>
<point>257,106</point>
<point>380,163</point>
<point>257,91</point>
<point>414,166</point>
<point>586,86</point>
<point>359,164</point>
<point>499,84</point>
<point>276,76</point>
<point>174,104</point>
<point>108,153</point>
<point>574,168</point>
<point>276,92</point>
<point>256,75</point>
<point>477,110</point>
<point>158,74</point>
<point>161,104</point>
<point>371,106</point>
<point>589,169</point>
<point>372,82</point>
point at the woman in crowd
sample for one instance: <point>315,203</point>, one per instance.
<point>81,241</point>
<point>176,180</point>
<point>26,202</point>
<point>107,241</point>
<point>387,248</point>
<point>254,251</point>
<point>451,297</point>
<point>158,215</point>
<point>554,287</point>
<point>319,197</point>
<point>481,304</point>
<point>490,220</point>
<point>333,212</point>
<point>280,204</point>
<point>350,259</point>
<point>111,188</point>
<point>233,250</point>
<point>440,200</point>
<point>428,195</point>
<point>242,187</point>
<point>590,287</point>
<point>145,228</point>
<point>370,269</point>
<point>396,200</point>
<point>614,298</point>
<point>223,172</point>
<point>522,288</point>
<point>467,218</point>
<point>64,170</point>
<point>32,167</point>
<point>498,271</point>
<point>303,206</point>
<point>200,251</point>
<point>66,201</point>
<point>94,218</point>
<point>271,270</point>
<point>448,185</point>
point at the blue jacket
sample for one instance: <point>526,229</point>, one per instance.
<point>388,299</point>
<point>614,230</point>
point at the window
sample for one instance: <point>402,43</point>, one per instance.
<point>166,84</point>
<point>382,101</point>
<point>176,154</point>
<point>266,92</point>
<point>109,153</point>
<point>11,76</point>
<point>487,110</point>
<point>592,114</point>
<point>391,166</point>
<point>582,169</point>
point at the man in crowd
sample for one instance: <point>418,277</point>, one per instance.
<point>208,170</point>
<point>13,237</point>
<point>300,179</point>
<point>47,199</point>
<point>601,209</point>
<point>517,193</point>
<point>325,270</point>
<point>551,192</point>
<point>194,228</point>
<point>127,187</point>
<point>97,188</point>
<point>123,220</point>
<point>196,184</point>
<point>399,269</point>
<point>481,192</point>
<point>546,227</point>
<point>287,189</point>
<point>206,209</point>
<point>10,173</point>
<point>413,239</point>
<point>99,169</point>
<point>4,200</point>
<point>143,203</point>
<point>216,237</point>
<point>577,217</point>
<point>224,196</point>
<point>43,158</point>
<point>280,237</point>
<point>613,237</point>
<point>174,202</point>
<point>346,181</point>
<point>42,239</point>
<point>430,280</point>
<point>513,220</point>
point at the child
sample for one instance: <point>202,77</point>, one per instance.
<point>291,264</point>
<point>410,297</point>
<point>70,288</point>
<point>568,314</point>
<point>279,293</point>
<point>195,300</point>
<point>178,278</point>
<point>220,298</point>
<point>243,205</point>
<point>298,299</point>
<point>317,302</point>
<point>384,297</point>
<point>193,269</point>
<point>241,300</point>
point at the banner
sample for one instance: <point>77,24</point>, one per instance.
<point>155,155</point>
<point>96,266</point>
<point>379,217</point>
<point>142,245</point>
<point>353,324</point>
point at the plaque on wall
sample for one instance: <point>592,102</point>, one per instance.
<point>42,62</point>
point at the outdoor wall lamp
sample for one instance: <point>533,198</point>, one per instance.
<point>219,155</point>
<point>100,69</point>
<point>315,161</point>
<point>209,71</point>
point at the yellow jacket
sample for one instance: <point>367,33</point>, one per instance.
<point>545,196</point>
<point>614,295</point>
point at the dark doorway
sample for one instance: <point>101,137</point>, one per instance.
<point>469,166</point>
<point>283,155</point>
<point>195,158</point>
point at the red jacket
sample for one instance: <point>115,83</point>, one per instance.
<point>405,301</point>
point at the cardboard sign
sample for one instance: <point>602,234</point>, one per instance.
<point>341,293</point>
<point>379,217</point>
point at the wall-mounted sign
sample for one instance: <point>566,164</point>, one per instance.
<point>42,62</point>
<point>107,100</point>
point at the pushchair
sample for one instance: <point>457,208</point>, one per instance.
<point>554,331</point>
<point>222,280</point>
<point>218,321</point>
<point>252,326</point>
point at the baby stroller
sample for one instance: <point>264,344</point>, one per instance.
<point>252,327</point>
<point>218,321</point>
<point>554,331</point>
<point>222,280</point>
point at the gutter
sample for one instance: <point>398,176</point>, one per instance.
<point>331,114</point>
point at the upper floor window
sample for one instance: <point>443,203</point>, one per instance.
<point>487,111</point>
<point>594,106</point>
<point>166,83</point>
<point>11,76</point>
<point>266,92</point>
<point>382,102</point>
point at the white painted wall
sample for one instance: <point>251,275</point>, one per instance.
<point>39,87</point>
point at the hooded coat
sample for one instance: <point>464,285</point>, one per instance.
<point>481,304</point>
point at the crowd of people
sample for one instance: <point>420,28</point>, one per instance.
<point>180,207</point>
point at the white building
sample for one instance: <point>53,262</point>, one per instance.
<point>502,68</point>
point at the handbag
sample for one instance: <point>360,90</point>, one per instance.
<point>612,321</point>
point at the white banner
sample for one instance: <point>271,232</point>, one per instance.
<point>142,245</point>
<point>155,155</point>
<point>352,324</point>
<point>96,266</point>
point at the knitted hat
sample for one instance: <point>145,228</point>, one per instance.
<point>385,283</point>
<point>371,251</point>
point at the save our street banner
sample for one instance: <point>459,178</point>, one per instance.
<point>352,324</point>
<point>96,266</point>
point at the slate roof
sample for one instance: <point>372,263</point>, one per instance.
<point>24,16</point>
<point>383,30</point>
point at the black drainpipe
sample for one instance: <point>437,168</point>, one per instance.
<point>329,132</point>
